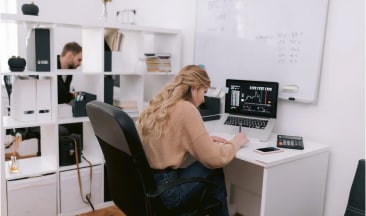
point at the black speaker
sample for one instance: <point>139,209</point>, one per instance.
<point>67,153</point>
<point>38,50</point>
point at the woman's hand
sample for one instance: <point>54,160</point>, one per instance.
<point>240,140</point>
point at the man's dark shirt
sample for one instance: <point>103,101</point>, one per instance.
<point>63,87</point>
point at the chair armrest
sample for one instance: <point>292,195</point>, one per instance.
<point>162,188</point>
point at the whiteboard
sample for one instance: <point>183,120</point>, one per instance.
<point>267,40</point>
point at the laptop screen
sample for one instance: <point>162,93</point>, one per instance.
<point>255,98</point>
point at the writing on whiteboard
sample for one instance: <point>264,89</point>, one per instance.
<point>288,45</point>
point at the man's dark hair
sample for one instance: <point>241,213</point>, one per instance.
<point>74,47</point>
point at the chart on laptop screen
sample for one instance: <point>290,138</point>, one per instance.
<point>251,97</point>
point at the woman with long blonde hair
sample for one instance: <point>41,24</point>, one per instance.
<point>171,128</point>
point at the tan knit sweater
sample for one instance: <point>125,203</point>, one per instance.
<point>186,134</point>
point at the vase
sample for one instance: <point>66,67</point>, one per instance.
<point>30,9</point>
<point>104,15</point>
<point>16,64</point>
<point>13,164</point>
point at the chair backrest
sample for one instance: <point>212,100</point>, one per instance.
<point>129,174</point>
<point>356,200</point>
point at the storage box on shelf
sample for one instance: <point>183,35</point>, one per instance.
<point>135,84</point>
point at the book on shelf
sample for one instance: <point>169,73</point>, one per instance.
<point>128,106</point>
<point>158,62</point>
<point>160,55</point>
<point>114,39</point>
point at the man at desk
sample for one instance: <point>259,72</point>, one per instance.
<point>70,58</point>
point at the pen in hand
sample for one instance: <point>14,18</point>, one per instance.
<point>239,128</point>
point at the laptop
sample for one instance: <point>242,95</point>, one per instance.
<point>251,107</point>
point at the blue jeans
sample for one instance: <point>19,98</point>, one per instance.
<point>190,193</point>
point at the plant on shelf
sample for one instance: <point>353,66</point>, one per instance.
<point>16,63</point>
<point>30,9</point>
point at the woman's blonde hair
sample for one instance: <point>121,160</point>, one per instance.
<point>153,119</point>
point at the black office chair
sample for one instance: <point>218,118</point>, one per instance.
<point>356,200</point>
<point>130,177</point>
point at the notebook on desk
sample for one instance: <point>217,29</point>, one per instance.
<point>251,105</point>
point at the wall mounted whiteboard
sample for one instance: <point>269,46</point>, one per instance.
<point>274,40</point>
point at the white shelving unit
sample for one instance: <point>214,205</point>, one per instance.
<point>135,84</point>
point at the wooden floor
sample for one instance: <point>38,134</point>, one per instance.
<point>109,211</point>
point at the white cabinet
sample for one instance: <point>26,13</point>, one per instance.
<point>32,196</point>
<point>135,85</point>
<point>70,197</point>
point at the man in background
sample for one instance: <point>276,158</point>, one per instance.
<point>70,58</point>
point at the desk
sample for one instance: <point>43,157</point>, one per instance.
<point>288,183</point>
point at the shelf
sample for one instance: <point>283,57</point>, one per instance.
<point>72,120</point>
<point>94,160</point>
<point>28,73</point>
<point>145,73</point>
<point>52,73</point>
<point>16,18</point>
<point>9,123</point>
<point>31,167</point>
<point>76,72</point>
<point>136,84</point>
<point>130,74</point>
<point>111,73</point>
<point>160,74</point>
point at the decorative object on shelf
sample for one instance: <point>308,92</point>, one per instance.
<point>30,9</point>
<point>8,85</point>
<point>104,15</point>
<point>13,159</point>
<point>14,164</point>
<point>126,16</point>
<point>16,64</point>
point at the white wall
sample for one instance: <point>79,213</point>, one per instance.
<point>338,119</point>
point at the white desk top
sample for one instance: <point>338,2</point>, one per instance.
<point>247,153</point>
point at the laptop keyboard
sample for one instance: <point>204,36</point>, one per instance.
<point>246,122</point>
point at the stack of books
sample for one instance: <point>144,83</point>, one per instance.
<point>128,106</point>
<point>158,62</point>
